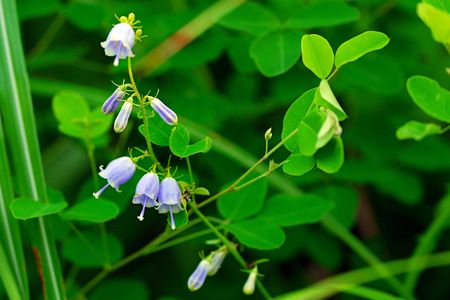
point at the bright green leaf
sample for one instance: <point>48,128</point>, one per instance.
<point>276,52</point>
<point>331,158</point>
<point>251,17</point>
<point>24,208</point>
<point>98,123</point>
<point>89,252</point>
<point>317,55</point>
<point>287,210</point>
<point>158,130</point>
<point>327,94</point>
<point>298,164</point>
<point>359,46</point>
<point>121,288</point>
<point>257,234</point>
<point>308,130</point>
<point>179,143</point>
<point>417,130</point>
<point>244,203</point>
<point>437,20</point>
<point>92,210</point>
<point>294,115</point>
<point>70,106</point>
<point>73,129</point>
<point>430,97</point>
<point>201,191</point>
<point>323,14</point>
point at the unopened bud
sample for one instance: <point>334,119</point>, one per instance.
<point>268,134</point>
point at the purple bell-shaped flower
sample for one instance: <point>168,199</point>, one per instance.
<point>146,192</point>
<point>169,198</point>
<point>119,42</point>
<point>117,172</point>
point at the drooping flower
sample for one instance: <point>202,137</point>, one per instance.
<point>169,198</point>
<point>117,172</point>
<point>198,277</point>
<point>113,101</point>
<point>120,40</point>
<point>168,115</point>
<point>249,286</point>
<point>146,192</point>
<point>124,114</point>
<point>217,258</point>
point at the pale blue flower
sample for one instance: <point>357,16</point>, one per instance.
<point>124,114</point>
<point>117,172</point>
<point>113,101</point>
<point>119,42</point>
<point>168,115</point>
<point>249,286</point>
<point>169,198</point>
<point>217,258</point>
<point>198,277</point>
<point>146,192</point>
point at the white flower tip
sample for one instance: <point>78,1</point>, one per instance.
<point>116,63</point>
<point>96,195</point>
<point>173,226</point>
<point>140,218</point>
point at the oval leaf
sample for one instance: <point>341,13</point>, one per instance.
<point>25,208</point>
<point>69,106</point>
<point>286,210</point>
<point>276,52</point>
<point>92,210</point>
<point>437,20</point>
<point>298,164</point>
<point>331,158</point>
<point>317,55</point>
<point>430,97</point>
<point>417,130</point>
<point>179,143</point>
<point>359,46</point>
<point>257,234</point>
<point>244,203</point>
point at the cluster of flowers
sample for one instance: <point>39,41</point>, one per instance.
<point>165,196</point>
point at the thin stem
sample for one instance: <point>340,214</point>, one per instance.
<point>249,171</point>
<point>265,174</point>
<point>144,115</point>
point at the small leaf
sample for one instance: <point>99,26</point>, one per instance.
<point>317,55</point>
<point>158,130</point>
<point>437,20</point>
<point>70,106</point>
<point>257,234</point>
<point>252,18</point>
<point>359,46</point>
<point>417,130</point>
<point>179,143</point>
<point>430,97</point>
<point>244,203</point>
<point>25,208</point>
<point>327,94</point>
<point>276,52</point>
<point>331,158</point>
<point>73,130</point>
<point>88,251</point>
<point>287,210</point>
<point>323,14</point>
<point>294,115</point>
<point>298,164</point>
<point>201,191</point>
<point>92,210</point>
<point>98,123</point>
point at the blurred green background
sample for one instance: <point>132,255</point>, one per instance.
<point>388,188</point>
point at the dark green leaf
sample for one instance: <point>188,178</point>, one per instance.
<point>77,14</point>
<point>24,208</point>
<point>257,234</point>
<point>92,210</point>
<point>179,143</point>
<point>287,210</point>
<point>298,164</point>
<point>121,288</point>
<point>331,158</point>
<point>158,130</point>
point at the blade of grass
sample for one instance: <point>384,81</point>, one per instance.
<point>20,130</point>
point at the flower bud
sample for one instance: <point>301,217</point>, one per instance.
<point>217,258</point>
<point>113,101</point>
<point>117,172</point>
<point>198,277</point>
<point>268,134</point>
<point>249,286</point>
<point>122,118</point>
<point>164,112</point>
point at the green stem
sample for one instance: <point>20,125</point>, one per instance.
<point>7,277</point>
<point>429,240</point>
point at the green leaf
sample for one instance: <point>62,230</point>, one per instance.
<point>252,18</point>
<point>92,210</point>
<point>308,130</point>
<point>331,158</point>
<point>317,55</point>
<point>327,94</point>
<point>359,46</point>
<point>76,13</point>
<point>244,203</point>
<point>180,219</point>
<point>29,9</point>
<point>286,210</point>
<point>417,130</point>
<point>158,130</point>
<point>298,164</point>
<point>69,107</point>
<point>437,20</point>
<point>276,52</point>
<point>73,130</point>
<point>121,288</point>
<point>430,97</point>
<point>98,123</point>
<point>179,143</point>
<point>323,14</point>
<point>88,251</point>
<point>201,191</point>
<point>24,208</point>
<point>294,115</point>
<point>258,234</point>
